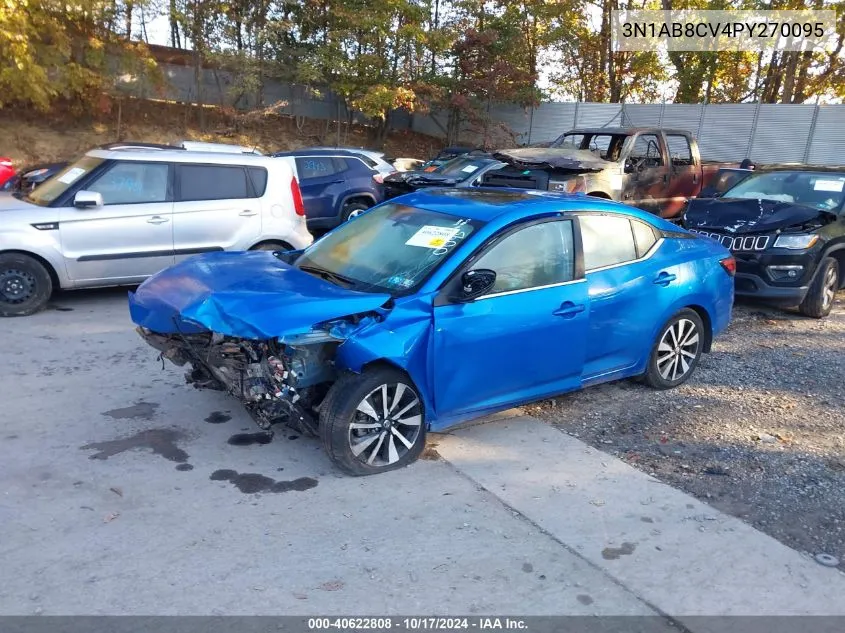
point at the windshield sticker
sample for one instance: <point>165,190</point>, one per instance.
<point>432,236</point>
<point>398,281</point>
<point>470,168</point>
<point>829,185</point>
<point>71,175</point>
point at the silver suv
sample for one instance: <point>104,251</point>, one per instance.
<point>117,216</point>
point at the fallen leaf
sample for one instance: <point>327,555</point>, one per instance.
<point>117,491</point>
<point>111,517</point>
<point>300,596</point>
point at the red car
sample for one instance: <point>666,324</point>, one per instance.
<point>7,170</point>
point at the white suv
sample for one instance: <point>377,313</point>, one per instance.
<point>117,216</point>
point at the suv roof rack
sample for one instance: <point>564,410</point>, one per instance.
<point>131,145</point>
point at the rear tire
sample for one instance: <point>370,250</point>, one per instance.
<point>357,435</point>
<point>676,352</point>
<point>819,299</point>
<point>25,285</point>
<point>353,209</point>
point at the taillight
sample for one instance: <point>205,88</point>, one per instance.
<point>729,264</point>
<point>5,162</point>
<point>378,178</point>
<point>297,197</point>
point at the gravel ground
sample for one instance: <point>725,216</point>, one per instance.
<point>758,432</point>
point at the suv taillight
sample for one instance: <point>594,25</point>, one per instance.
<point>378,178</point>
<point>297,197</point>
<point>729,264</point>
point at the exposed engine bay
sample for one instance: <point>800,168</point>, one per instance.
<point>277,383</point>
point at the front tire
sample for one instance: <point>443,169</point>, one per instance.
<point>819,299</point>
<point>25,285</point>
<point>676,352</point>
<point>272,246</point>
<point>373,422</point>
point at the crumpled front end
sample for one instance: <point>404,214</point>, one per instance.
<point>277,383</point>
<point>255,327</point>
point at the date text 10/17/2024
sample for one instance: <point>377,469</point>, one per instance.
<point>416,624</point>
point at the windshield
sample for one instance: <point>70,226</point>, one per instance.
<point>461,168</point>
<point>819,190</point>
<point>55,186</point>
<point>391,248</point>
<point>605,146</point>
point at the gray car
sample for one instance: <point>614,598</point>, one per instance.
<point>117,216</point>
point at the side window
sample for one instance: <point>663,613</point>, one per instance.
<point>342,164</point>
<point>132,183</point>
<point>679,150</point>
<point>212,182</point>
<point>607,240</point>
<point>646,151</point>
<point>314,166</point>
<point>644,237</point>
<point>258,176</point>
<point>538,255</point>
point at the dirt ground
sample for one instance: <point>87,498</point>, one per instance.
<point>758,432</point>
<point>29,137</point>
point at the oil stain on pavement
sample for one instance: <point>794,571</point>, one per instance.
<point>138,411</point>
<point>159,441</point>
<point>613,553</point>
<point>248,439</point>
<point>218,417</point>
<point>250,483</point>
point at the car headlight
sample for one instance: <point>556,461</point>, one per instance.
<point>796,242</point>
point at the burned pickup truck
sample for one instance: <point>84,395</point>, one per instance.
<point>786,228</point>
<point>655,169</point>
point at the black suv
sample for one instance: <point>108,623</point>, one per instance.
<point>786,228</point>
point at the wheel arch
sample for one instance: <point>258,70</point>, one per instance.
<point>704,315</point>
<point>51,270</point>
<point>284,243</point>
<point>363,196</point>
<point>837,252</point>
<point>600,194</point>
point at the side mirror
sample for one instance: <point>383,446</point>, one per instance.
<point>87,199</point>
<point>475,283</point>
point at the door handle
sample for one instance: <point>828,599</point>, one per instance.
<point>157,219</point>
<point>567,309</point>
<point>247,213</point>
<point>664,279</point>
<point>665,178</point>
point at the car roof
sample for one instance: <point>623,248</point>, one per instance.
<point>176,155</point>
<point>799,167</point>
<point>489,203</point>
<point>372,153</point>
<point>624,130</point>
<point>321,152</point>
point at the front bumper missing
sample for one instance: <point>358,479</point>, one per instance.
<point>251,371</point>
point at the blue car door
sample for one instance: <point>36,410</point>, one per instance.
<point>630,288</point>
<point>525,338</point>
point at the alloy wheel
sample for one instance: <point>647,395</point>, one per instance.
<point>355,213</point>
<point>678,349</point>
<point>386,425</point>
<point>829,288</point>
<point>16,286</point>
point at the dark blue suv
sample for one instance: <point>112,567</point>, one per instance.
<point>336,185</point>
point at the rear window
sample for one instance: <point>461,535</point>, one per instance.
<point>213,182</point>
<point>258,176</point>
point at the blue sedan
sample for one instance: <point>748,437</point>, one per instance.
<point>437,307</point>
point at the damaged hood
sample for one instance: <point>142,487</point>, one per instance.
<point>553,158</point>
<point>739,216</point>
<point>247,295</point>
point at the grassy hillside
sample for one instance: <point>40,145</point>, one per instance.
<point>29,137</point>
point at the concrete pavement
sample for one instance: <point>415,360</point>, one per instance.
<point>122,491</point>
